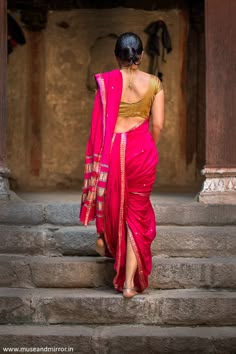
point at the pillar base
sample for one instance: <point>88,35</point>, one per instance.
<point>219,186</point>
<point>4,184</point>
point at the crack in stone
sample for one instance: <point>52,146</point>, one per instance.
<point>44,206</point>
<point>31,274</point>
<point>33,309</point>
<point>54,248</point>
<point>12,267</point>
<point>94,342</point>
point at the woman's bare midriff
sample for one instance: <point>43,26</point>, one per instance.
<point>124,124</point>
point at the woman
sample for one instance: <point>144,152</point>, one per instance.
<point>120,165</point>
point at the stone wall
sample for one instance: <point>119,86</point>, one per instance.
<point>51,90</point>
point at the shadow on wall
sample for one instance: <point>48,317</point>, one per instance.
<point>101,48</point>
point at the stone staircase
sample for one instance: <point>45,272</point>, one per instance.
<point>55,291</point>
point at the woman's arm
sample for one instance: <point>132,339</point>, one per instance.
<point>157,112</point>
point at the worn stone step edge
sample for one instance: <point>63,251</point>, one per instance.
<point>68,213</point>
<point>121,338</point>
<point>198,241</point>
<point>79,272</point>
<point>105,306</point>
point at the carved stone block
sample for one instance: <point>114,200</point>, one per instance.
<point>219,186</point>
<point>4,184</point>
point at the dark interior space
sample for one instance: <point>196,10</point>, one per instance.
<point>34,16</point>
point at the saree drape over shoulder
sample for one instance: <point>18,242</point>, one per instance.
<point>120,170</point>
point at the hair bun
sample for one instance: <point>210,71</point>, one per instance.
<point>130,55</point>
<point>135,57</point>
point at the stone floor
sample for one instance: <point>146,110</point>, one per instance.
<point>75,196</point>
<point>56,291</point>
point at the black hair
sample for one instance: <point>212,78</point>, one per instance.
<point>129,48</point>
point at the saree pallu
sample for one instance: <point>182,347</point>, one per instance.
<point>104,115</point>
<point>127,209</point>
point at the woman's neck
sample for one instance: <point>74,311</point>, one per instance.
<point>131,67</point>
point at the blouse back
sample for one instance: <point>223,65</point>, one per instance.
<point>142,107</point>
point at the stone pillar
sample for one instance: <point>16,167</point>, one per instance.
<point>220,167</point>
<point>4,171</point>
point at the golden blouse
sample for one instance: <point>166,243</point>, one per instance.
<point>142,107</point>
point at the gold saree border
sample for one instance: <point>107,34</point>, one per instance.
<point>91,196</point>
<point>122,201</point>
<point>136,252</point>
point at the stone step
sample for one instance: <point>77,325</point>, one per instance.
<point>51,272</point>
<point>178,273</point>
<point>176,241</point>
<point>89,272</point>
<point>105,306</point>
<point>195,241</point>
<point>193,213</point>
<point>117,339</point>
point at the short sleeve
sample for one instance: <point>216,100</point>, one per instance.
<point>157,85</point>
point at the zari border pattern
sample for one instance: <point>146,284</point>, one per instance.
<point>122,201</point>
<point>95,173</point>
<point>136,252</point>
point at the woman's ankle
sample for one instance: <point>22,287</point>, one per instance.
<point>129,284</point>
<point>100,247</point>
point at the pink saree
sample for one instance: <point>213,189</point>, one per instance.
<point>120,170</point>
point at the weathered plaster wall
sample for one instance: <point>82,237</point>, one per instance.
<point>17,116</point>
<point>46,145</point>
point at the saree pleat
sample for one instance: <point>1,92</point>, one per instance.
<point>128,211</point>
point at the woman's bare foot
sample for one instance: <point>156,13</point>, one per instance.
<point>100,246</point>
<point>128,293</point>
